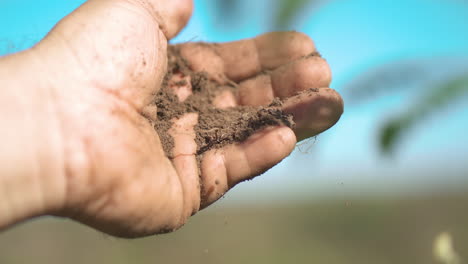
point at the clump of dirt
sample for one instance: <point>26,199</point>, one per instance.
<point>216,127</point>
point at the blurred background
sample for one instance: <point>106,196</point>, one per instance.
<point>387,184</point>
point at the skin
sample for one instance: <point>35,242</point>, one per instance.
<point>76,139</point>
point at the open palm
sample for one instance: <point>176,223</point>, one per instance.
<point>106,61</point>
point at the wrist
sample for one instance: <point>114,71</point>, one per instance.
<point>32,181</point>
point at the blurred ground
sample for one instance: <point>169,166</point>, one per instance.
<point>344,231</point>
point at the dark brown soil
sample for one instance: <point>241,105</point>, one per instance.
<point>216,127</point>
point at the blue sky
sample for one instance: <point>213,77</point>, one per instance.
<point>356,37</point>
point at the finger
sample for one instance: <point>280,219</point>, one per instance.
<point>225,99</point>
<point>222,169</point>
<point>285,81</point>
<point>314,111</point>
<point>181,86</point>
<point>246,58</point>
<point>172,16</point>
<point>116,45</point>
<point>185,162</point>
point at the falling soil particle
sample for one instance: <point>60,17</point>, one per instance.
<point>216,127</point>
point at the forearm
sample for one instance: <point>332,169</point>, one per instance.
<point>30,147</point>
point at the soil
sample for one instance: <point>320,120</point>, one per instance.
<point>216,127</point>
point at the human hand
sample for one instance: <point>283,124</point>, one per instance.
<point>102,66</point>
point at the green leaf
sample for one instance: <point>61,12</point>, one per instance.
<point>288,9</point>
<point>393,131</point>
<point>438,98</point>
<point>228,11</point>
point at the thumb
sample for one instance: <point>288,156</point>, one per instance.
<point>116,45</point>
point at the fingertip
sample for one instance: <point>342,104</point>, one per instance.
<point>314,111</point>
<point>175,15</point>
<point>277,48</point>
<point>224,168</point>
<point>258,153</point>
<point>287,138</point>
<point>310,72</point>
<point>172,16</point>
<point>285,81</point>
<point>186,12</point>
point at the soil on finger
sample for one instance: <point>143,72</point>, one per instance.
<point>216,127</point>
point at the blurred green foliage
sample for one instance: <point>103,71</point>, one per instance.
<point>288,9</point>
<point>431,101</point>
